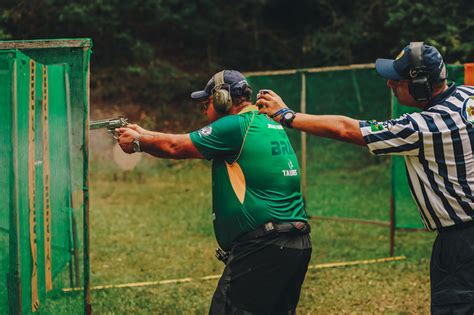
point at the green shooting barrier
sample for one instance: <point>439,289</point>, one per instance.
<point>44,106</point>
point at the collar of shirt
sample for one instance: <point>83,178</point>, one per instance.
<point>442,96</point>
<point>248,109</point>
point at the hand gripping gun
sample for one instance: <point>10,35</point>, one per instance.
<point>110,124</point>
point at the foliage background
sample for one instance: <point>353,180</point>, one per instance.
<point>154,53</point>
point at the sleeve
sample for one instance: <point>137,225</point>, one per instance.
<point>221,139</point>
<point>395,137</point>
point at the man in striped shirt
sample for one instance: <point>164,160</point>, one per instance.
<point>437,144</point>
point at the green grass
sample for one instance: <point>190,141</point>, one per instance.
<point>155,224</point>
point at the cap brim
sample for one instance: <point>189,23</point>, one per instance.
<point>199,94</point>
<point>385,68</point>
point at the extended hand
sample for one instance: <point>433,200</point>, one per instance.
<point>126,138</point>
<point>137,128</point>
<point>269,103</point>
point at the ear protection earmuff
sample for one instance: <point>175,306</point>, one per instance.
<point>419,85</point>
<point>221,96</point>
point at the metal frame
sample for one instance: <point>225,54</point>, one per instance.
<point>311,70</point>
<point>48,43</point>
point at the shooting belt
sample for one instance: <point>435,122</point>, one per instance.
<point>273,228</point>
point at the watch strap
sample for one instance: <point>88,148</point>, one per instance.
<point>280,112</point>
<point>286,121</point>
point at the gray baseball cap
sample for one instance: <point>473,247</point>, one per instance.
<point>233,80</point>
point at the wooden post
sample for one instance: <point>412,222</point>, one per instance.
<point>76,250</point>
<point>31,188</point>
<point>303,139</point>
<point>392,226</point>
<point>46,185</point>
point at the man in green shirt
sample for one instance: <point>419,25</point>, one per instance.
<point>258,211</point>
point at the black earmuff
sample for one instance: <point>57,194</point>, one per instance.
<point>419,85</point>
<point>220,96</point>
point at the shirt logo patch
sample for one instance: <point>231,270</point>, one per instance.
<point>376,126</point>
<point>206,131</point>
<point>291,171</point>
<point>270,126</point>
<point>290,164</point>
<point>470,109</point>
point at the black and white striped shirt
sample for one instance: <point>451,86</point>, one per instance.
<point>438,146</point>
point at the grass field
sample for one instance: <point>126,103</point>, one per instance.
<point>155,224</point>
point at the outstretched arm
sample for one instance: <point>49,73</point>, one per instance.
<point>162,145</point>
<point>328,126</point>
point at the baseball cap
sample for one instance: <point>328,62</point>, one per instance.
<point>399,68</point>
<point>233,80</point>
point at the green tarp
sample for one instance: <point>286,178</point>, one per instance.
<point>44,104</point>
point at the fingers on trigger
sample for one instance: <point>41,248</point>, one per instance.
<point>270,92</point>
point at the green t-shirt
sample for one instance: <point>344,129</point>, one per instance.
<point>255,174</point>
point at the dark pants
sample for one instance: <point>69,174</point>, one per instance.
<point>263,276</point>
<point>452,271</point>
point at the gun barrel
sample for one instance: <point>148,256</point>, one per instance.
<point>110,124</point>
<point>98,124</point>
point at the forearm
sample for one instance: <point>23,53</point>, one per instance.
<point>168,146</point>
<point>329,126</point>
<point>151,133</point>
<point>336,127</point>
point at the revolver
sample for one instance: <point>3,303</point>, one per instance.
<point>110,124</point>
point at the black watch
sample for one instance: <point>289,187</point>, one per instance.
<point>287,118</point>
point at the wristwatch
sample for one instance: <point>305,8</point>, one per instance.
<point>136,144</point>
<point>287,118</point>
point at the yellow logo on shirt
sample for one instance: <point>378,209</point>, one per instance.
<point>470,109</point>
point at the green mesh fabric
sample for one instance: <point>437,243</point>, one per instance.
<point>60,78</point>
<point>6,81</point>
<point>360,94</point>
